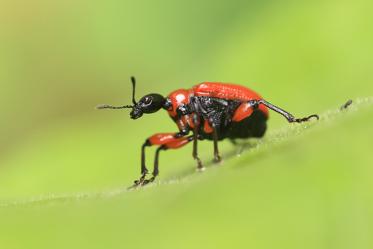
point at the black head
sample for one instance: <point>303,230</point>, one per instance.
<point>148,104</point>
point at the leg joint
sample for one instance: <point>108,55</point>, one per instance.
<point>146,143</point>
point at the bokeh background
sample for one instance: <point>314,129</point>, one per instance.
<point>59,59</point>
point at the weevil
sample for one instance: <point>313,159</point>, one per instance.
<point>210,111</point>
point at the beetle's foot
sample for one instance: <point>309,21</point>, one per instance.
<point>147,181</point>
<point>199,162</point>
<point>300,120</point>
<point>142,181</point>
<point>217,159</point>
<point>200,169</point>
<point>139,182</point>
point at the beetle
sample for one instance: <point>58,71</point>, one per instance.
<point>210,110</point>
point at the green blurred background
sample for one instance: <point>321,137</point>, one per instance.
<point>59,59</point>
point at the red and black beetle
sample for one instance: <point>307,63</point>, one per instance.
<point>211,110</point>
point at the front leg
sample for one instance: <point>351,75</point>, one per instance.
<point>156,139</point>
<point>176,144</point>
<point>144,170</point>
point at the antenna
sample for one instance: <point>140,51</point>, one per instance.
<point>105,106</point>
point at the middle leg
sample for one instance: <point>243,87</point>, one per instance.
<point>195,142</point>
<point>217,157</point>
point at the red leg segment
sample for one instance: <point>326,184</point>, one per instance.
<point>180,142</point>
<point>242,112</point>
<point>207,127</point>
<point>246,109</point>
<point>162,138</point>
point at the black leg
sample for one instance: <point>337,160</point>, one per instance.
<point>284,113</point>
<point>144,170</point>
<point>156,169</point>
<point>156,160</point>
<point>195,141</point>
<point>217,157</point>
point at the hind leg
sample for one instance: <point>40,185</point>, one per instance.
<point>290,118</point>
<point>217,157</point>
